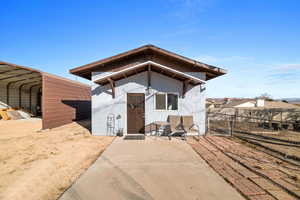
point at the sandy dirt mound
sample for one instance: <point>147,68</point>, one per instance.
<point>42,164</point>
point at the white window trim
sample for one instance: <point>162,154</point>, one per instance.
<point>166,98</point>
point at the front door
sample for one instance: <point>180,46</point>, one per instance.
<point>135,113</point>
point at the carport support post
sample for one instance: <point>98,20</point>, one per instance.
<point>30,97</point>
<point>20,94</point>
<point>7,93</point>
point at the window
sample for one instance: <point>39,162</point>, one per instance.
<point>160,101</point>
<point>168,101</point>
<point>172,102</point>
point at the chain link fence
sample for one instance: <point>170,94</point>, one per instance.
<point>253,121</point>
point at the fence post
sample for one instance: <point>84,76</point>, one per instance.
<point>280,120</point>
<point>207,124</point>
<point>231,125</point>
<point>270,119</point>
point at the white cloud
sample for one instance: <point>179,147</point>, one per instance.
<point>289,73</point>
<point>295,66</point>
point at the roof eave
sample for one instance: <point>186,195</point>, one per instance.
<point>147,63</point>
<point>85,69</point>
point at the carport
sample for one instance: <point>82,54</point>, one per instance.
<point>20,88</point>
<point>55,99</point>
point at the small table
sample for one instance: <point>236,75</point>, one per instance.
<point>161,127</point>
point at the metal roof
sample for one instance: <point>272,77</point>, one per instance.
<point>16,75</point>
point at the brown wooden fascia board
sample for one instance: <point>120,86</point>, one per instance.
<point>105,60</point>
<point>89,67</point>
<point>188,60</point>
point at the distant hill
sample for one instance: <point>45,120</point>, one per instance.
<point>292,100</point>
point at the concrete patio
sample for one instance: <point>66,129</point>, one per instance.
<point>155,168</point>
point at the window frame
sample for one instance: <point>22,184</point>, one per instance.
<point>166,100</point>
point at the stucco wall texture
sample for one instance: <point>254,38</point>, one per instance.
<point>103,104</point>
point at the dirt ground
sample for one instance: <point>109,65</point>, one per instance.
<point>19,128</point>
<point>38,164</point>
<point>255,174</point>
<point>287,150</point>
<point>284,147</point>
<point>284,134</point>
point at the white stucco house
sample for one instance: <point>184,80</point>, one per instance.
<point>132,90</point>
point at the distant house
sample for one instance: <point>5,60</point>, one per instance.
<point>241,103</point>
<point>259,104</point>
<point>134,89</point>
<point>215,102</point>
<point>257,108</point>
<point>280,104</point>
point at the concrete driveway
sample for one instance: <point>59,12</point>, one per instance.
<point>154,168</point>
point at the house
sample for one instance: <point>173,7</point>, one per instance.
<point>216,102</point>
<point>212,103</point>
<point>135,89</point>
<point>259,103</point>
<point>240,103</point>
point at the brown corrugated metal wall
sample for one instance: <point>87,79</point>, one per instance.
<point>64,101</point>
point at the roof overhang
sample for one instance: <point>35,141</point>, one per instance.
<point>149,66</point>
<point>148,50</point>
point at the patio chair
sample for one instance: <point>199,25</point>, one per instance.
<point>189,126</point>
<point>175,125</point>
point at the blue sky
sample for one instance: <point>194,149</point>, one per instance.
<point>257,41</point>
